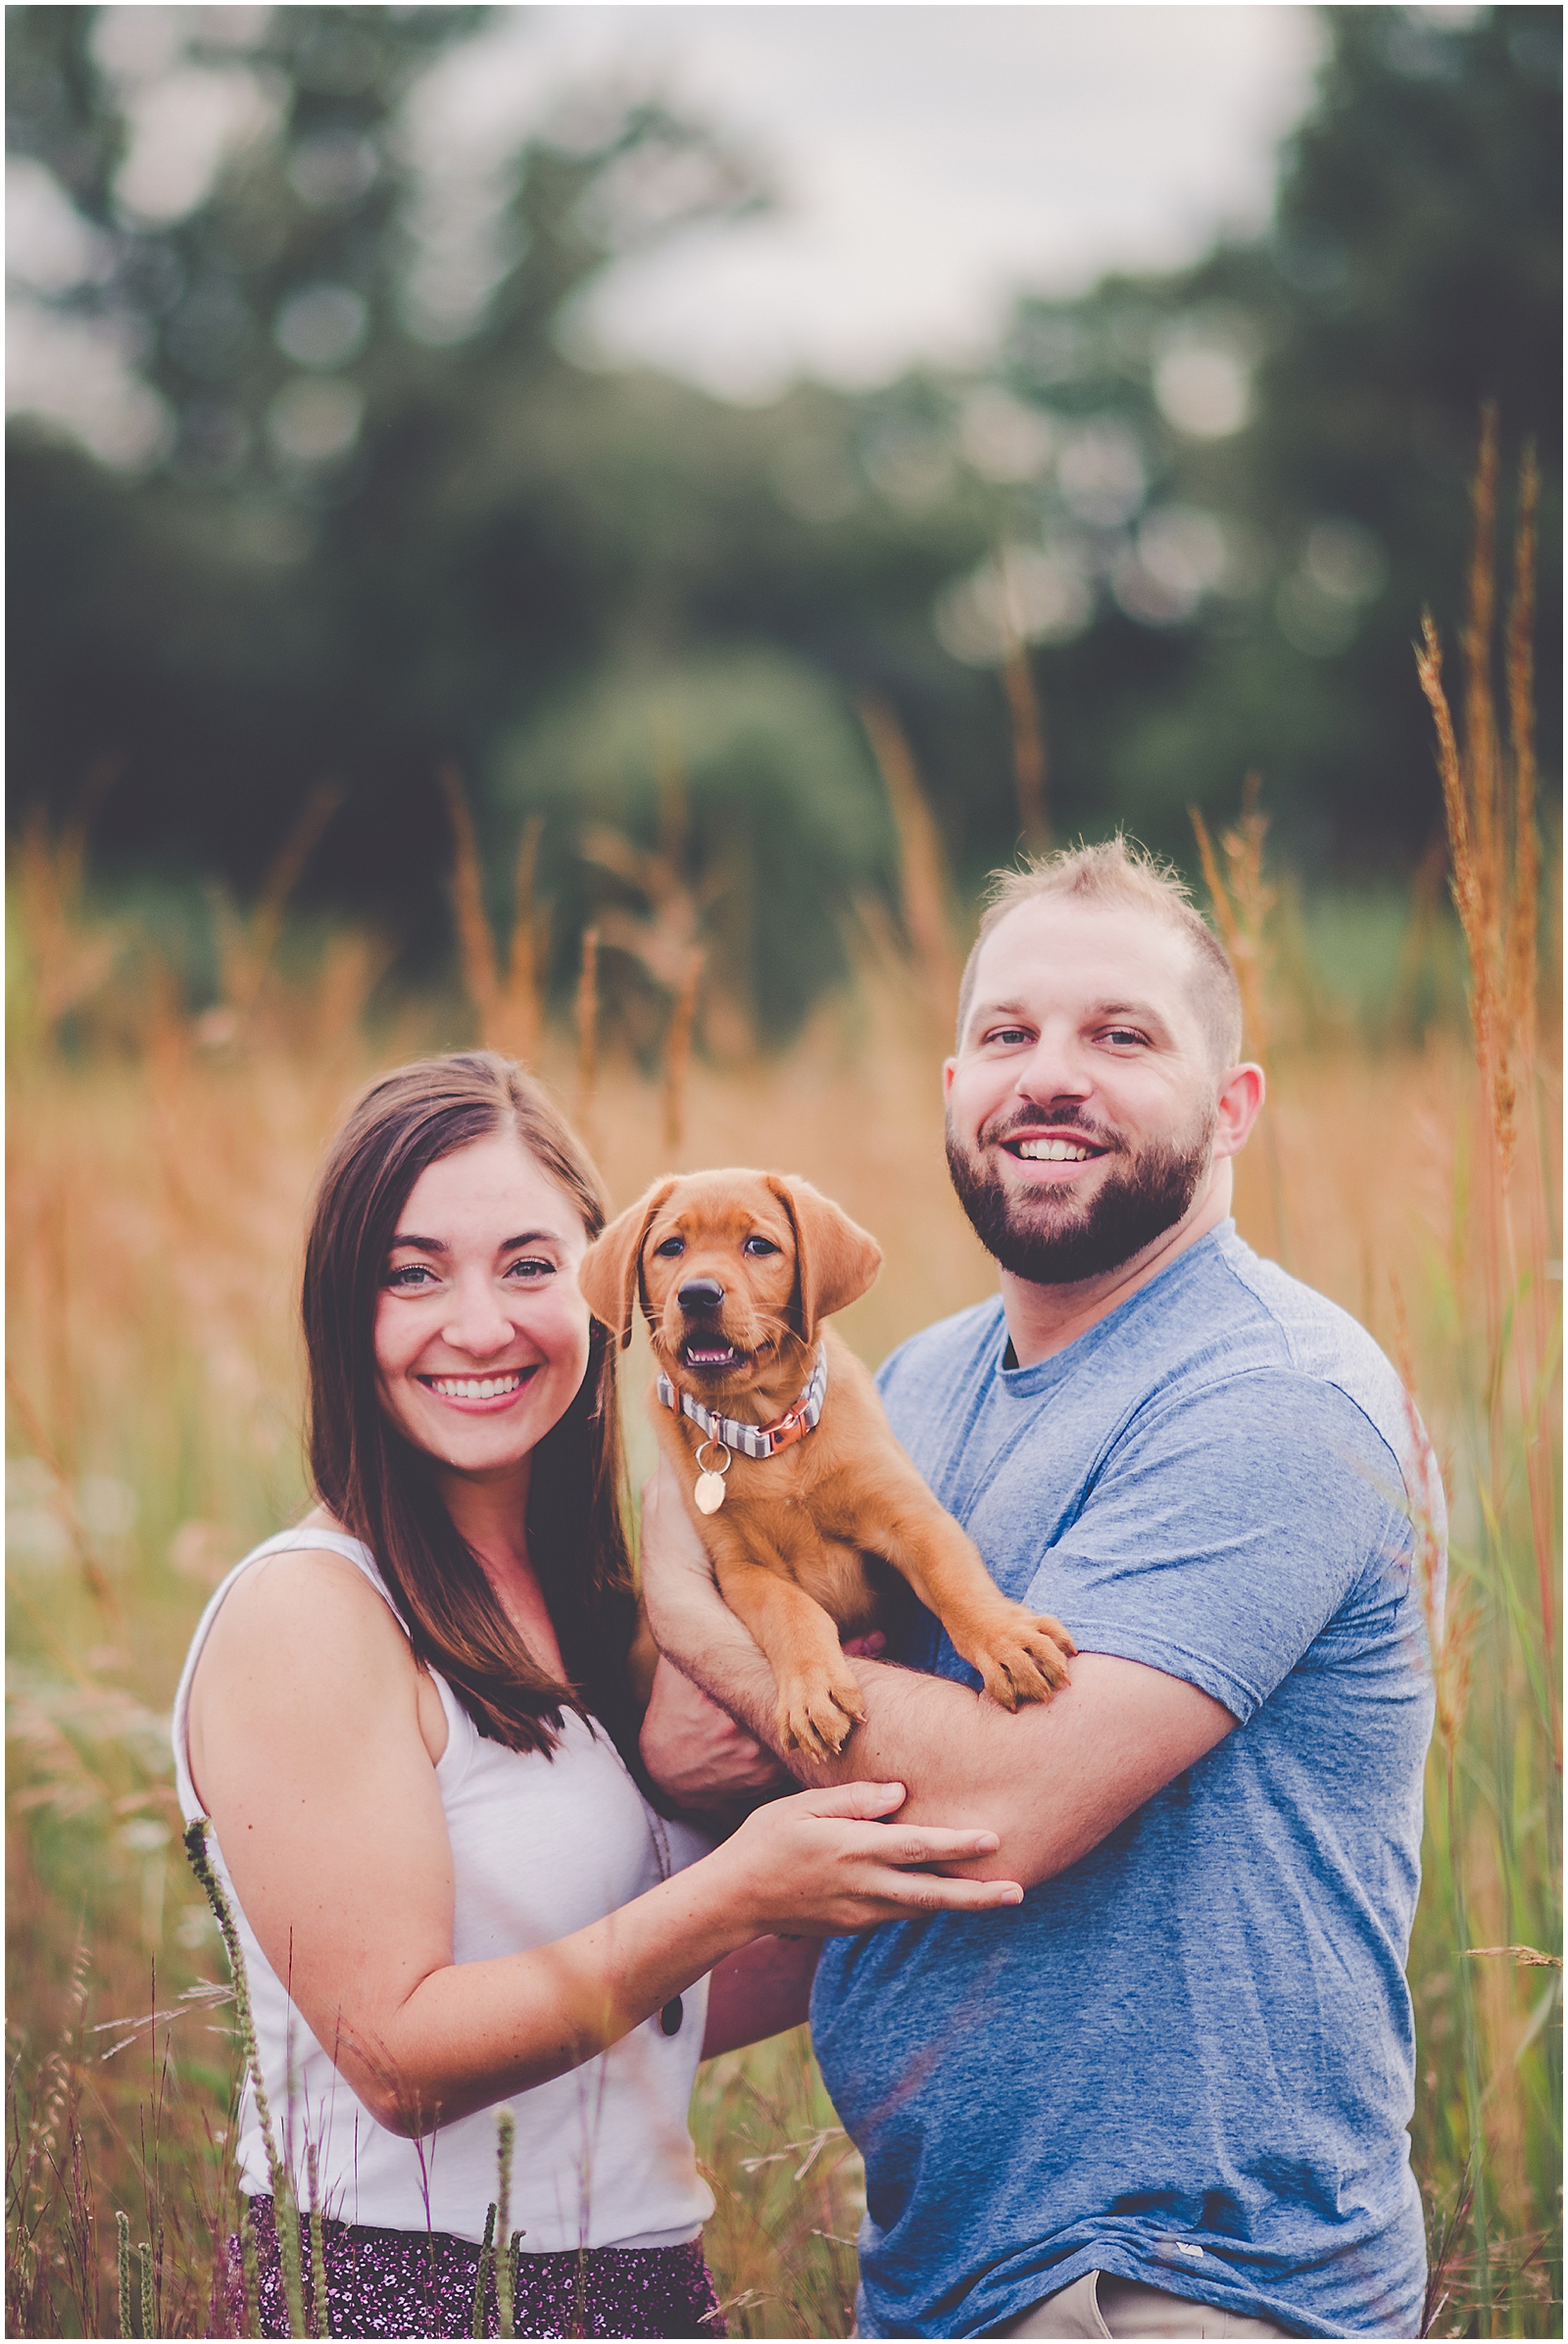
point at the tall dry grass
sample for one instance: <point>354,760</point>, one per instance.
<point>1499,1913</point>
<point>156,1200</point>
<point>159,1164</point>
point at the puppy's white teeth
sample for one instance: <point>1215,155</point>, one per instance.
<point>473,1387</point>
<point>1053,1151</point>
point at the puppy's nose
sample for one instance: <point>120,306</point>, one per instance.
<point>700,1294</point>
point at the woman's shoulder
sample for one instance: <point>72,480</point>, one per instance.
<point>303,1656</point>
<point>315,1577</point>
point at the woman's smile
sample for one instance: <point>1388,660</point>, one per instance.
<point>487,1393</point>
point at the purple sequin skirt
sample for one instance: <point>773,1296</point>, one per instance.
<point>422,2283</point>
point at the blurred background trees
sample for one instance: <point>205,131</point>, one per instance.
<point>368,518</point>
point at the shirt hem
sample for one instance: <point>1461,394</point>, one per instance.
<point>1246,2302</point>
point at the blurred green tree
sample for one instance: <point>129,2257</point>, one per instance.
<point>1258,466</point>
<point>743,771</point>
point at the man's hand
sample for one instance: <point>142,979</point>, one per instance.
<point>696,1753</point>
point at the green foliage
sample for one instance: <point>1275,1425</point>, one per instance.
<point>1413,270</point>
<point>780,821</point>
<point>1419,232</point>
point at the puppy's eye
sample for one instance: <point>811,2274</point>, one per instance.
<point>759,1245</point>
<point>671,1247</point>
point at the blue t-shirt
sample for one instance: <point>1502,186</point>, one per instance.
<point>1189,2059</point>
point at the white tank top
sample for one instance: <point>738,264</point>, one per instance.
<point>540,1847</point>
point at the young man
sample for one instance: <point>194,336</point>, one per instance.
<point>1167,2095</point>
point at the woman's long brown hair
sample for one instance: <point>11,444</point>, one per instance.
<point>380,1488</point>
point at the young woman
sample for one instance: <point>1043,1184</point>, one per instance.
<point>412,1723</point>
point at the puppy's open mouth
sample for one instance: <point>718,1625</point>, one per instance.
<point>705,1351</point>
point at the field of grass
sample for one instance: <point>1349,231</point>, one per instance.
<point>156,1179</point>
<point>159,1163</point>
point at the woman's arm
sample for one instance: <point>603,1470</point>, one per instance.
<point>308,1752</point>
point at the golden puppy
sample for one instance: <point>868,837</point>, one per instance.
<point>789,1465</point>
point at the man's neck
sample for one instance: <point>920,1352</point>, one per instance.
<point>1043,1320</point>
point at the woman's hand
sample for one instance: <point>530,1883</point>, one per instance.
<point>826,1863</point>
<point>696,1753</point>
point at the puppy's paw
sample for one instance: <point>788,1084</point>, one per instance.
<point>1022,1656</point>
<point>818,1712</point>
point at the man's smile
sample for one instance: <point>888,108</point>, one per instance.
<point>1056,1154</point>
<point>1052,1151</point>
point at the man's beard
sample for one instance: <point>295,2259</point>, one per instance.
<point>1051,1240</point>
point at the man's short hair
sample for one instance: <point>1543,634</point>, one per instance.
<point>1122,872</point>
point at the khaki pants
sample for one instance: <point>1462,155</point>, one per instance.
<point>1099,2305</point>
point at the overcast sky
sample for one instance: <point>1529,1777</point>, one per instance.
<point>931,161</point>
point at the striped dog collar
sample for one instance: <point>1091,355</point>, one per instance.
<point>753,1440</point>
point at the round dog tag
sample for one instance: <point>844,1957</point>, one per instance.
<point>709,1489</point>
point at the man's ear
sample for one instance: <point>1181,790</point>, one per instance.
<point>1241,1097</point>
<point>835,1261</point>
<point>607,1275</point>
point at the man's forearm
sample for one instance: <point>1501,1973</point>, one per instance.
<point>1052,1780</point>
<point>707,1643</point>
<point>697,1629</point>
<point>931,1735</point>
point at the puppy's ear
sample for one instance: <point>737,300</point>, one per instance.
<point>609,1272</point>
<point>835,1261</point>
